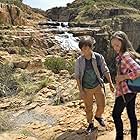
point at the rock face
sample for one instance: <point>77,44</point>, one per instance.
<point>98,14</point>
<point>10,14</point>
<point>61,14</point>
<point>14,15</point>
<point>88,11</point>
<point>27,41</point>
<point>132,28</point>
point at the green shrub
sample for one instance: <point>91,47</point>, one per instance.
<point>23,51</point>
<point>5,123</point>
<point>26,83</point>
<point>56,64</point>
<point>29,85</point>
<point>70,66</point>
<point>8,84</point>
<point>43,83</point>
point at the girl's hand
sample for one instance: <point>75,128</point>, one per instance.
<point>138,74</point>
<point>120,78</point>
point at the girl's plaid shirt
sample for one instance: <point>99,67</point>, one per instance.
<point>127,66</point>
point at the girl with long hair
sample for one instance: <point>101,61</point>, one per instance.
<point>128,68</point>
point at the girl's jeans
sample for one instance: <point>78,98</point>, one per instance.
<point>117,111</point>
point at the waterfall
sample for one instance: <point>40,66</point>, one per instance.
<point>66,40</point>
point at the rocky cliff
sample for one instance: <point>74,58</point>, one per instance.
<point>84,11</point>
<point>14,15</point>
<point>118,15</point>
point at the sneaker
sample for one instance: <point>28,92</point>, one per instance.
<point>90,128</point>
<point>100,121</point>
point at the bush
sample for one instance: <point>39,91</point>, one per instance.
<point>5,123</point>
<point>8,84</point>
<point>26,83</point>
<point>70,65</point>
<point>43,83</point>
<point>56,64</point>
<point>29,85</point>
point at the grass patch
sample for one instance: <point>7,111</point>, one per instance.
<point>29,85</point>
<point>4,122</point>
<point>56,64</point>
<point>8,84</point>
<point>26,133</point>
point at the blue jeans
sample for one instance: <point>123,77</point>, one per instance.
<point>117,111</point>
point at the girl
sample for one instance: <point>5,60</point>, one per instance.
<point>127,69</point>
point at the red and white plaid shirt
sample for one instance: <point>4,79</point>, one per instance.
<point>127,66</point>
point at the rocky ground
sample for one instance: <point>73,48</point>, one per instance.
<point>38,117</point>
<point>45,105</point>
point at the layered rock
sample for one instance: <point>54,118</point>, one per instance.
<point>11,14</point>
<point>14,15</point>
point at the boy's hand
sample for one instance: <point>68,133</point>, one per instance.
<point>112,87</point>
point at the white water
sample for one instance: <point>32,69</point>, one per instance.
<point>67,41</point>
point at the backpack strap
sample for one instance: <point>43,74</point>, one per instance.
<point>98,61</point>
<point>97,71</point>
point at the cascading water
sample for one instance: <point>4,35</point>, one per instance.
<point>67,41</point>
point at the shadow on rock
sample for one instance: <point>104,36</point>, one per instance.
<point>77,135</point>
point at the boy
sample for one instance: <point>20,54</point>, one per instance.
<point>89,80</point>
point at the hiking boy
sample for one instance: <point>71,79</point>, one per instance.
<point>89,80</point>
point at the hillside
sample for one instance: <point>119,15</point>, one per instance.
<point>89,10</point>
<point>111,15</point>
<point>14,12</point>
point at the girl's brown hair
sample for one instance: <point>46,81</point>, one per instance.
<point>126,44</point>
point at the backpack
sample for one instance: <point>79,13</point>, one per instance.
<point>98,60</point>
<point>134,85</point>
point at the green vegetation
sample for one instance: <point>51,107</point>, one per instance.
<point>26,132</point>
<point>8,84</point>
<point>15,2</point>
<point>30,86</point>
<point>133,3</point>
<point>43,83</point>
<point>97,9</point>
<point>56,64</point>
<point>5,124</point>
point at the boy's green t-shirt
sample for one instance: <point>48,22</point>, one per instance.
<point>90,79</point>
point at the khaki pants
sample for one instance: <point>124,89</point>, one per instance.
<point>98,94</point>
